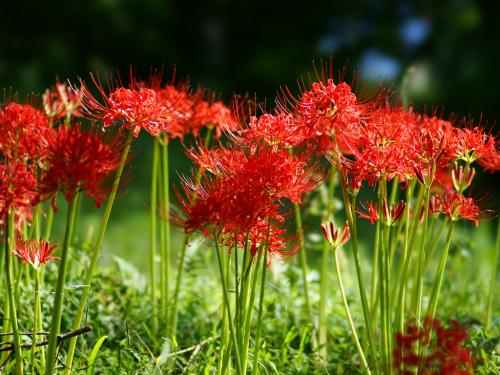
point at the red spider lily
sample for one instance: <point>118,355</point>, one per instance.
<point>138,107</point>
<point>61,101</point>
<point>390,214</point>
<point>382,149</point>
<point>441,349</point>
<point>18,187</point>
<point>282,129</point>
<point>243,191</point>
<point>23,130</point>
<point>179,106</point>
<point>78,160</point>
<point>472,143</point>
<point>491,162</point>
<point>370,212</point>
<point>215,115</point>
<point>337,237</point>
<point>456,206</point>
<point>33,252</point>
<point>332,111</point>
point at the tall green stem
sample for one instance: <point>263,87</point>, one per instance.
<point>228,307</point>
<point>399,315</point>
<point>438,280</point>
<point>400,287</point>
<point>347,311</point>
<point>152,233</point>
<point>322,332</point>
<point>95,252</point>
<point>166,230</point>
<point>255,365</point>
<point>421,259</point>
<point>303,260</point>
<point>351,218</point>
<point>12,303</point>
<point>36,323</point>
<point>59,295</point>
<point>249,313</point>
<point>493,280</point>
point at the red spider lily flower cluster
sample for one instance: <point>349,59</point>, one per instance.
<point>441,350</point>
<point>172,110</point>
<point>61,101</point>
<point>35,253</point>
<point>18,191</point>
<point>456,206</point>
<point>242,191</point>
<point>373,141</point>
<point>78,160</point>
<point>23,129</point>
<point>337,237</point>
<point>390,213</point>
<point>282,129</point>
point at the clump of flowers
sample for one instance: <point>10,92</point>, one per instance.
<point>433,349</point>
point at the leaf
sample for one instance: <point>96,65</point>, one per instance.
<point>93,354</point>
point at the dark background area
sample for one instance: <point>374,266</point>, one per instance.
<point>443,54</point>
<point>448,50</point>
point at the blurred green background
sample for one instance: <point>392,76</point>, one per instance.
<point>447,53</point>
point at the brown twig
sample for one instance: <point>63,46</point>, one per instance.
<point>60,338</point>
<point>191,348</point>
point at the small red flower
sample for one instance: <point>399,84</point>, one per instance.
<point>78,160</point>
<point>35,253</point>
<point>368,211</point>
<point>472,143</point>
<point>61,101</point>
<point>456,206</point>
<point>337,237</point>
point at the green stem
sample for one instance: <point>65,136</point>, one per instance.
<point>166,229</point>
<point>248,317</point>
<point>95,252</point>
<point>435,243</point>
<point>303,260</point>
<point>50,219</point>
<point>374,279</point>
<point>224,341</point>
<point>493,280</point>
<point>59,295</point>
<point>384,283</point>
<point>152,233</point>
<point>421,258</point>
<point>399,316</point>
<point>322,331</point>
<point>178,282</point>
<point>255,365</point>
<point>12,303</point>
<point>351,218</point>
<point>400,286</point>
<point>36,321</point>
<point>237,306</point>
<point>348,313</point>
<point>438,280</point>
<point>228,307</point>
